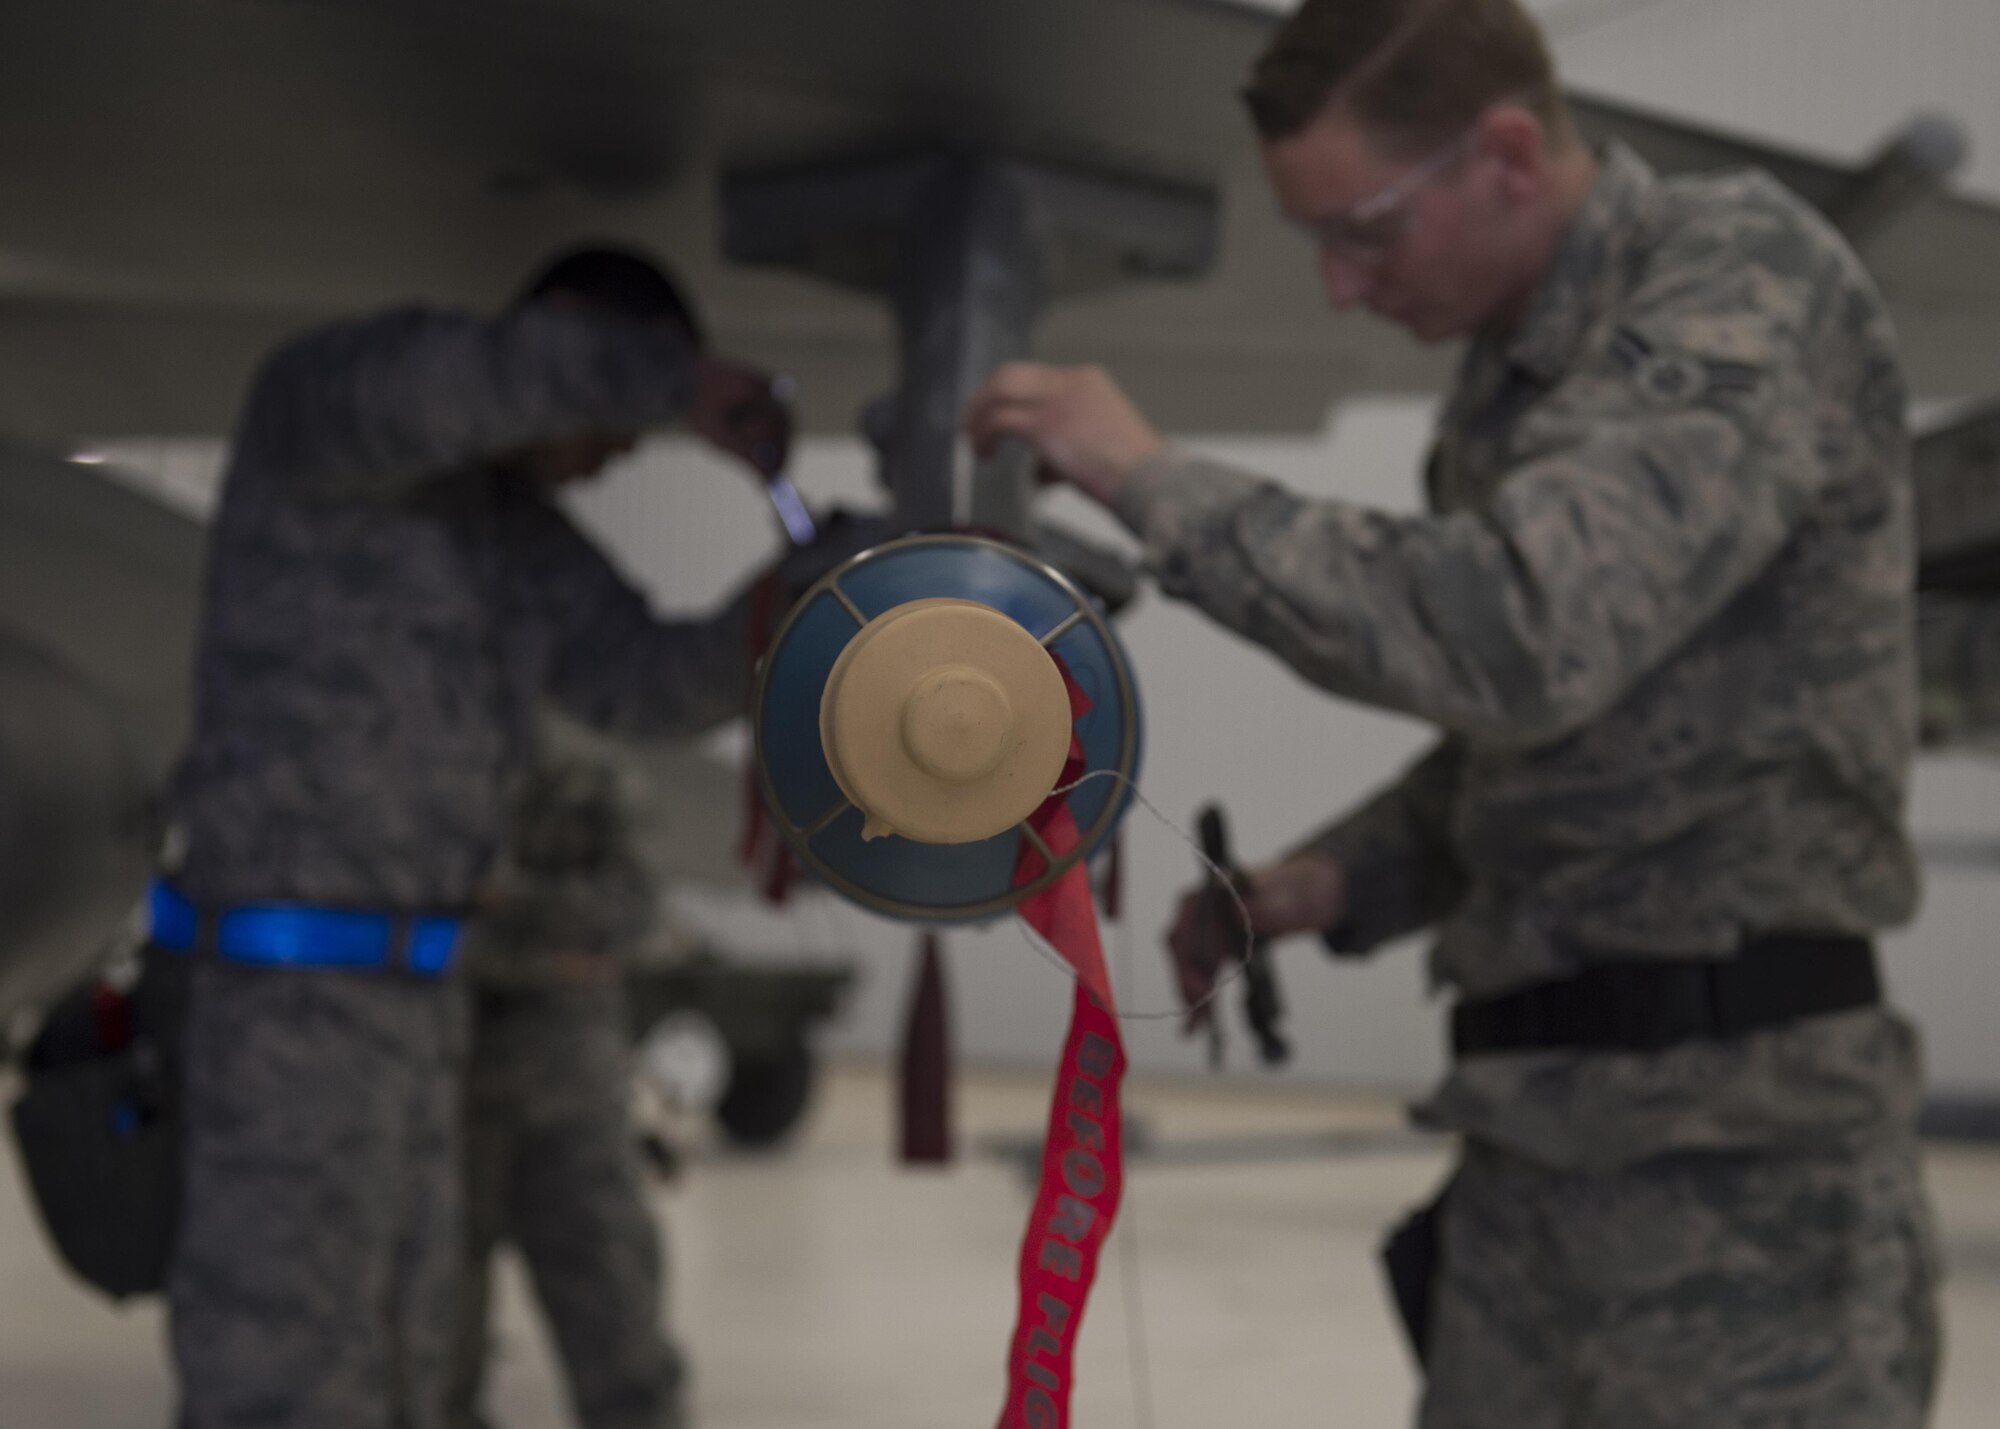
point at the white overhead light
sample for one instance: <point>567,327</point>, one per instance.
<point>87,457</point>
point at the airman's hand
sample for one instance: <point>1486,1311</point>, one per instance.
<point>742,411</point>
<point>1077,420</point>
<point>1305,893</point>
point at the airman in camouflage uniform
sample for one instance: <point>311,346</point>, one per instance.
<point>1660,611</point>
<point>551,1165</point>
<point>390,592</point>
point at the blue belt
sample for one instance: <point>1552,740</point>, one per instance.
<point>295,935</point>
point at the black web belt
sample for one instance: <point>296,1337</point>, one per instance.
<point>1646,1006</point>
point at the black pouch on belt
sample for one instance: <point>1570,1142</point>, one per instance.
<point>1410,1260</point>
<point>99,1131</point>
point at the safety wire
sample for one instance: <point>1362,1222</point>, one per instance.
<point>1137,1353</point>
<point>1136,1349</point>
<point>1228,885</point>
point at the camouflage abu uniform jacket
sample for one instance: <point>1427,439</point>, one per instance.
<point>568,900</point>
<point>1661,612</point>
<point>383,611</point>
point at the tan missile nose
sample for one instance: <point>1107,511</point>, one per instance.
<point>944,721</point>
<point>956,723</point>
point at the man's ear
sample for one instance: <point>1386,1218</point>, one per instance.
<point>1518,144</point>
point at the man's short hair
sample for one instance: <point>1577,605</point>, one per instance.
<point>620,280</point>
<point>1417,72</point>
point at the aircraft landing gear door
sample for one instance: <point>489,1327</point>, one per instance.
<point>967,250</point>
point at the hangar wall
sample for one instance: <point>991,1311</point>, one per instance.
<point>1226,721</point>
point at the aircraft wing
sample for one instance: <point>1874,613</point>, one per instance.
<point>106,579</point>
<point>98,586</point>
<point>182,183</point>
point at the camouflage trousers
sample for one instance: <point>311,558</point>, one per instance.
<point>1725,1290</point>
<point>313,1278</point>
<point>551,1166</point>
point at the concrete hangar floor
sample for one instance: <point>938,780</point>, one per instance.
<point>824,1286</point>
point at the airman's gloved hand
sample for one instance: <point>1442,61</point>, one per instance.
<point>742,411</point>
<point>1306,893</point>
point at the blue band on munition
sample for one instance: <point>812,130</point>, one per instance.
<point>294,935</point>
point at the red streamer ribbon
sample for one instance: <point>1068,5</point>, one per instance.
<point>1083,1171</point>
<point>1083,1165</point>
<point>1062,912</point>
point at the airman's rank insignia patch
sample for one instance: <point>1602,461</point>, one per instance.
<point>1669,379</point>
